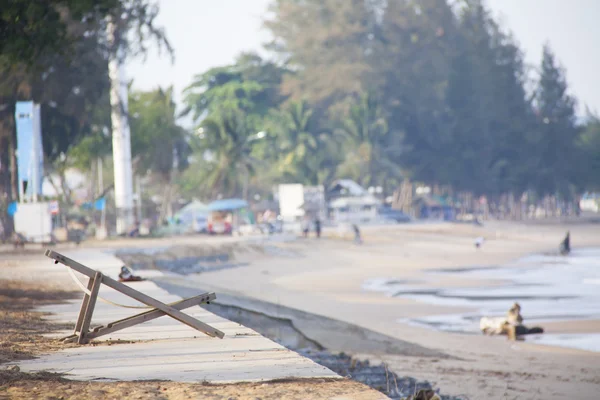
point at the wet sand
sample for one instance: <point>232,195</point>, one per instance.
<point>327,278</point>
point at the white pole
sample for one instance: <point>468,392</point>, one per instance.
<point>35,149</point>
<point>100,177</point>
<point>121,139</point>
<point>33,160</point>
<point>139,198</point>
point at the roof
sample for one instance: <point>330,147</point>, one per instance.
<point>195,207</point>
<point>352,188</point>
<point>192,210</point>
<point>227,205</point>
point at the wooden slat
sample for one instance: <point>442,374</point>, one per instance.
<point>148,316</point>
<point>89,311</point>
<point>70,339</point>
<point>82,269</point>
<point>172,312</point>
<point>176,314</point>
<point>84,303</point>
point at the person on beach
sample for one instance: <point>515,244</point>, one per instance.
<point>565,245</point>
<point>318,227</point>
<point>305,228</point>
<point>357,238</point>
<point>479,242</point>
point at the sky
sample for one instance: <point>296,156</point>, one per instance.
<point>210,33</point>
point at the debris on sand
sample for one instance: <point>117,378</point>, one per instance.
<point>127,276</point>
<point>378,377</point>
<point>512,325</point>
<point>424,394</point>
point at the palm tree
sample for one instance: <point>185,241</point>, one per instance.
<point>307,155</point>
<point>372,149</point>
<point>159,144</point>
<point>225,143</point>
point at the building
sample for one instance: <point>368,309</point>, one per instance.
<point>350,202</point>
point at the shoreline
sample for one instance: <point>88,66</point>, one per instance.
<point>535,281</point>
<point>503,263</point>
<point>325,280</point>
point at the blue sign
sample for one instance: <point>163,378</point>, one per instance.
<point>12,208</point>
<point>30,154</point>
<point>24,122</point>
<point>100,204</point>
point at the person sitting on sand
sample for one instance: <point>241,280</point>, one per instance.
<point>565,245</point>
<point>127,276</point>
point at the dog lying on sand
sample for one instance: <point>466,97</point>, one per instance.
<point>512,325</point>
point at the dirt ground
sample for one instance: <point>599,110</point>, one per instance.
<point>21,337</point>
<point>17,385</point>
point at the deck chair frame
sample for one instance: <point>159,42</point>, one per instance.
<point>82,333</point>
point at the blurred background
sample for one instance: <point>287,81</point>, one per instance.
<point>248,116</point>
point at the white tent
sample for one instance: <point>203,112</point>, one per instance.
<point>191,211</point>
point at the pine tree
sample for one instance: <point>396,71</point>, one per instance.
<point>557,132</point>
<point>325,42</point>
<point>489,109</point>
<point>416,43</point>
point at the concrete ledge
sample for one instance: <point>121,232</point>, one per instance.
<point>166,349</point>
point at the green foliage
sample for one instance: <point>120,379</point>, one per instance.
<point>373,151</point>
<point>158,143</point>
<point>557,133</point>
<point>489,110</point>
<point>372,90</point>
<point>325,42</point>
<point>91,147</point>
<point>31,31</point>
<point>55,53</point>
<point>250,85</point>
<point>223,154</point>
<point>589,149</point>
<point>416,46</point>
<point>304,151</point>
<point>447,100</point>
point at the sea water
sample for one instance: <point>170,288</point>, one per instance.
<point>548,288</point>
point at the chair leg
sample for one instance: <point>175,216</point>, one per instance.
<point>84,304</point>
<point>89,310</point>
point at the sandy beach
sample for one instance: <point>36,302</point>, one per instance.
<point>326,277</point>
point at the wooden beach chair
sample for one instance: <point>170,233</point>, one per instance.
<point>82,333</point>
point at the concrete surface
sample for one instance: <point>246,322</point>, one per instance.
<point>164,349</point>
